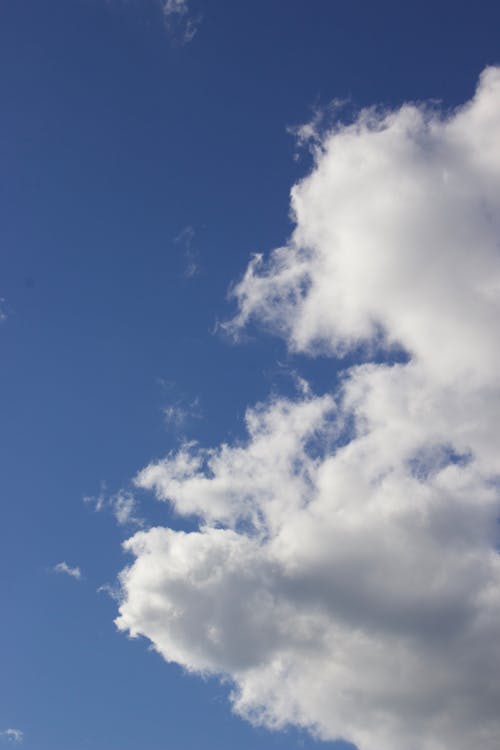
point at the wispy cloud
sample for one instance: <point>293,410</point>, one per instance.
<point>63,567</point>
<point>180,21</point>
<point>185,239</point>
<point>180,410</point>
<point>122,504</point>
<point>3,309</point>
<point>12,735</point>
<point>175,7</point>
<point>113,591</point>
<point>178,414</point>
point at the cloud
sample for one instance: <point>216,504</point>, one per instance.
<point>63,567</point>
<point>122,504</point>
<point>112,591</point>
<point>177,414</point>
<point>180,410</point>
<point>185,239</point>
<point>13,735</point>
<point>179,20</point>
<point>124,508</point>
<point>345,575</point>
<point>175,7</point>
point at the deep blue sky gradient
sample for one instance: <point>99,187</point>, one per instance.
<point>114,137</point>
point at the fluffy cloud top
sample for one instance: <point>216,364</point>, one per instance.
<point>345,574</point>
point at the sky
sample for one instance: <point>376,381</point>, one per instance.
<point>249,303</point>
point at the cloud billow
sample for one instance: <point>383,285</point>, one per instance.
<point>345,574</point>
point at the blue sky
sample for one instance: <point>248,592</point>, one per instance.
<point>141,169</point>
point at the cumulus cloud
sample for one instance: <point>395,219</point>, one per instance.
<point>345,573</point>
<point>14,735</point>
<point>63,567</point>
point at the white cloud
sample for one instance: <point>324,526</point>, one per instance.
<point>14,735</point>
<point>122,504</point>
<point>3,312</point>
<point>124,508</point>
<point>99,502</point>
<point>175,414</point>
<point>175,7</point>
<point>63,567</point>
<point>345,575</point>
<point>112,591</point>
<point>185,238</point>
<point>180,410</point>
<point>178,413</point>
<point>179,19</point>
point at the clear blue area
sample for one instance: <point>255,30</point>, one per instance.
<point>114,138</point>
